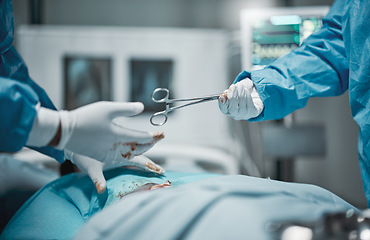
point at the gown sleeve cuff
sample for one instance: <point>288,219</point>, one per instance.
<point>44,127</point>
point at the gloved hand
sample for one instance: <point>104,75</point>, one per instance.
<point>94,169</point>
<point>241,101</point>
<point>90,131</point>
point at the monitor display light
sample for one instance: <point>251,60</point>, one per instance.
<point>268,34</point>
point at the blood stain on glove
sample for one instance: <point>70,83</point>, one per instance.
<point>158,136</point>
<point>132,145</point>
<point>155,168</point>
<point>127,155</point>
<point>223,97</point>
<point>99,187</point>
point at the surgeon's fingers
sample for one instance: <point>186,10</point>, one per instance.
<point>223,102</point>
<point>243,97</point>
<point>141,137</point>
<point>93,168</point>
<point>98,179</point>
<point>95,172</point>
<point>132,149</point>
<point>136,149</point>
<point>147,164</point>
<point>127,109</point>
<point>233,101</point>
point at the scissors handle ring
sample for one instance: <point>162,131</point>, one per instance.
<point>164,99</point>
<point>155,115</point>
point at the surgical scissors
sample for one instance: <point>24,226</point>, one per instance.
<point>168,101</point>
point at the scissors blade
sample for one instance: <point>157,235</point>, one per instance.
<point>207,98</point>
<point>213,97</point>
<point>196,101</point>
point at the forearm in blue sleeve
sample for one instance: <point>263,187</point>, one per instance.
<point>18,109</point>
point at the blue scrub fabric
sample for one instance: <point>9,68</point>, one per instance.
<point>196,206</point>
<point>18,93</point>
<point>329,62</point>
<point>60,208</point>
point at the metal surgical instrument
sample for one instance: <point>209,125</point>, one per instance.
<point>167,101</point>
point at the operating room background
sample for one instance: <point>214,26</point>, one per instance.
<point>337,171</point>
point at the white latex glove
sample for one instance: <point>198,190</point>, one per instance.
<point>94,169</point>
<point>241,101</point>
<point>90,131</point>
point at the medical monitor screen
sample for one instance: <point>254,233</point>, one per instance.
<point>146,76</point>
<point>275,36</point>
<point>86,80</point>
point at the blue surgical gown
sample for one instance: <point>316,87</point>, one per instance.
<point>329,62</point>
<point>19,95</point>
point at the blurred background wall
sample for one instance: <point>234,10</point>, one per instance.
<point>222,14</point>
